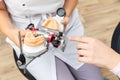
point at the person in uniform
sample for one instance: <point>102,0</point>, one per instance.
<point>16,15</point>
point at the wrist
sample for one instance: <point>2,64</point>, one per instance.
<point>113,61</point>
<point>116,69</point>
<point>10,32</point>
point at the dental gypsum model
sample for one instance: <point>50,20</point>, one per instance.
<point>56,38</point>
<point>24,60</point>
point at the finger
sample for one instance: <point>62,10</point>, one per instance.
<point>82,46</point>
<point>65,21</point>
<point>23,32</point>
<point>82,52</point>
<point>83,59</point>
<point>22,38</point>
<point>22,41</point>
<point>82,39</point>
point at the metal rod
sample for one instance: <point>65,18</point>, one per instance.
<point>20,41</point>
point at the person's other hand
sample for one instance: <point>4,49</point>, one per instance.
<point>13,35</point>
<point>65,21</point>
<point>95,52</point>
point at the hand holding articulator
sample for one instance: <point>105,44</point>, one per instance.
<point>36,42</point>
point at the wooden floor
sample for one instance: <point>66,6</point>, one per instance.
<point>99,17</point>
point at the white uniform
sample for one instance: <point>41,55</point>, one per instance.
<point>23,12</point>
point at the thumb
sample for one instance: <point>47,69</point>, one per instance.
<point>82,39</point>
<point>65,21</point>
<point>74,38</point>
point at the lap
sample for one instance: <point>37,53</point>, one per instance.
<point>87,72</point>
<point>63,73</point>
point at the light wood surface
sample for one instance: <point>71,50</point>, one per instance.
<point>99,18</point>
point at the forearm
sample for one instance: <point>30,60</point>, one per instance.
<point>69,6</point>
<point>112,59</point>
<point>5,22</point>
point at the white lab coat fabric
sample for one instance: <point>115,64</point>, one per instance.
<point>22,12</point>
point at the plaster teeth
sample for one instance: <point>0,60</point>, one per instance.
<point>33,39</point>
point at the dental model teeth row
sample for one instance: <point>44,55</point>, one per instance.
<point>32,40</point>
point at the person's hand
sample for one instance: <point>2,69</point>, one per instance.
<point>13,35</point>
<point>95,52</point>
<point>65,21</point>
